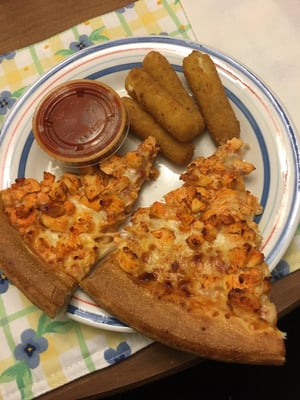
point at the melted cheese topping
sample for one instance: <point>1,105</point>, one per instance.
<point>72,222</point>
<point>200,247</point>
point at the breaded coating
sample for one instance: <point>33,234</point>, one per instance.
<point>206,85</point>
<point>163,107</point>
<point>159,68</point>
<point>142,124</point>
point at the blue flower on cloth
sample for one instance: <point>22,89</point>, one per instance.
<point>83,42</point>
<point>7,56</point>
<point>27,354</point>
<point>113,356</point>
<point>6,101</point>
<point>282,269</point>
<point>4,283</point>
<point>30,348</point>
<point>123,9</point>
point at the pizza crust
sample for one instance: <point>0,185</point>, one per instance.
<point>47,288</point>
<point>167,322</point>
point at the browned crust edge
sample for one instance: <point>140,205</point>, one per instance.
<point>211,337</point>
<point>48,289</point>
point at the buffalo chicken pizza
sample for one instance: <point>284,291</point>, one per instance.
<point>54,231</point>
<point>188,271</point>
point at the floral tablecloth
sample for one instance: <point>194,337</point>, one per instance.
<point>39,354</point>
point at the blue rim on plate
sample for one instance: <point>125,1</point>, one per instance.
<point>265,125</point>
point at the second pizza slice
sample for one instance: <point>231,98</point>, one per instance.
<point>189,272</point>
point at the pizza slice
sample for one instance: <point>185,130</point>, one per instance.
<point>55,230</point>
<point>189,272</point>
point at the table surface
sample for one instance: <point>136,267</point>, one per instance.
<point>36,20</point>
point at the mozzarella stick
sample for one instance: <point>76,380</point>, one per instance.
<point>206,85</point>
<point>142,124</point>
<point>159,68</point>
<point>163,107</point>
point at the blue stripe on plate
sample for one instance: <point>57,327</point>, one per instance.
<point>96,318</point>
<point>24,155</point>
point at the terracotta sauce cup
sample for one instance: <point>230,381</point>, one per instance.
<point>80,122</point>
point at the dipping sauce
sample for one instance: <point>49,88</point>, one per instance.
<point>80,122</point>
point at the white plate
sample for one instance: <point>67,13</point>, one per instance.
<point>82,309</point>
<point>265,126</point>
